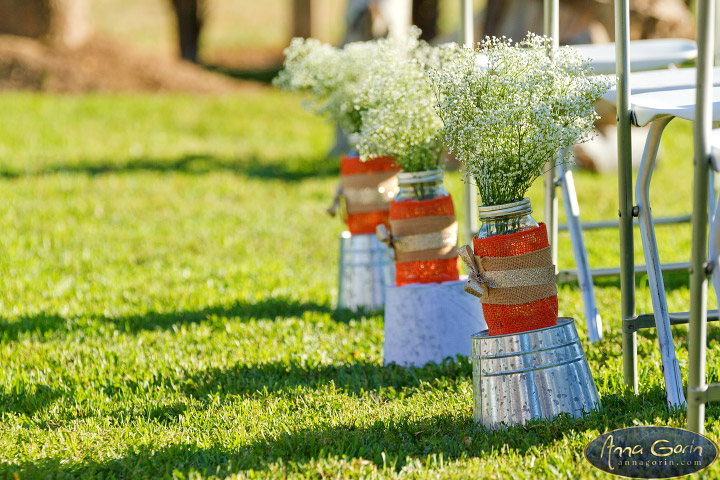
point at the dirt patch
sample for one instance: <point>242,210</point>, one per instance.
<point>105,65</point>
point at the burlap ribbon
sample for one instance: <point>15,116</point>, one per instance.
<point>422,238</point>
<point>510,280</point>
<point>365,192</point>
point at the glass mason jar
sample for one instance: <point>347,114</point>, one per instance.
<point>419,186</point>
<point>505,219</point>
<point>422,197</point>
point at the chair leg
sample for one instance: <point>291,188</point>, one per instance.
<point>671,369</point>
<point>593,322</point>
<point>711,196</point>
<point>697,326</point>
<point>698,331</point>
<point>714,247</point>
<point>551,212</point>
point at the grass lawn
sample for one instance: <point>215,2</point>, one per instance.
<point>167,288</point>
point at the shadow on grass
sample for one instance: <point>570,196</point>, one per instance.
<point>452,435</point>
<point>389,442</point>
<point>29,400</point>
<point>285,379</point>
<point>38,325</point>
<point>263,75</point>
<point>354,378</point>
<point>265,309</point>
<point>291,170</point>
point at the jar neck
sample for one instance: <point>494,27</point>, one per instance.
<point>420,186</point>
<point>505,219</point>
<point>508,210</point>
<point>353,139</point>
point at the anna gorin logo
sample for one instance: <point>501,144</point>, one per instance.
<point>651,452</point>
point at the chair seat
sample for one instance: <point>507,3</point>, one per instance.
<point>662,80</point>
<point>680,103</point>
<point>644,54</point>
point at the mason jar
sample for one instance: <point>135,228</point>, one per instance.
<point>423,208</point>
<point>510,231</point>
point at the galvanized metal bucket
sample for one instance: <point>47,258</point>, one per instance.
<point>366,268</point>
<point>537,374</point>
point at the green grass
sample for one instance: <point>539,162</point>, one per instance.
<point>167,289</point>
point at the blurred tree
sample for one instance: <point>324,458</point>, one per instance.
<point>190,16</point>
<point>57,21</point>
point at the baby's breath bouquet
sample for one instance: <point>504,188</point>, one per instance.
<point>397,103</point>
<point>509,109</point>
<point>330,75</point>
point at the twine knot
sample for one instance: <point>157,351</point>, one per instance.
<point>478,283</point>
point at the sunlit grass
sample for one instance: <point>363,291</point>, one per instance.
<point>167,288</point>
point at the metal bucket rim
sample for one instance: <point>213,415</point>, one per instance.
<point>534,368</point>
<point>527,352</point>
<point>561,322</point>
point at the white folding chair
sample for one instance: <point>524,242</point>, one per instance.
<point>657,109</point>
<point>646,54</point>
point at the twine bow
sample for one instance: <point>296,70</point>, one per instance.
<point>510,280</point>
<point>477,284</point>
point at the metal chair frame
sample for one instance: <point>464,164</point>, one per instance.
<point>699,392</point>
<point>703,192</point>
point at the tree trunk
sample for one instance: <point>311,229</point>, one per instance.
<point>424,16</point>
<point>190,16</point>
<point>66,22</point>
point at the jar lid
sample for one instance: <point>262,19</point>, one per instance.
<point>427,176</point>
<point>522,207</point>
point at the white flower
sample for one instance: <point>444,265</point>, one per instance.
<point>508,115</point>
<point>397,103</point>
<point>330,75</point>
